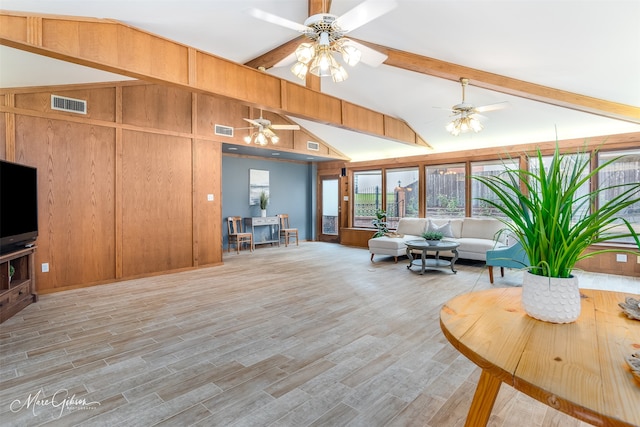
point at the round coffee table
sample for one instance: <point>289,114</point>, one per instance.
<point>423,262</point>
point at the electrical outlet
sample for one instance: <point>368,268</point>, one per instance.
<point>638,259</point>
<point>621,257</point>
<point>45,267</point>
<point>210,197</point>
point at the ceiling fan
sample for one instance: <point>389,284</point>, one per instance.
<point>466,116</point>
<point>264,131</point>
<point>326,35</point>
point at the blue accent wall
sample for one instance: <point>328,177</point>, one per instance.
<point>292,188</point>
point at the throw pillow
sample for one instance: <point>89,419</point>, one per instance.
<point>445,229</point>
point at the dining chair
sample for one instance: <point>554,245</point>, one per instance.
<point>286,231</point>
<point>236,235</point>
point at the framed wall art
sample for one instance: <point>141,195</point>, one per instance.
<point>258,182</point>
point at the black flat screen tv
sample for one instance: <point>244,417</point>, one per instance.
<point>18,206</point>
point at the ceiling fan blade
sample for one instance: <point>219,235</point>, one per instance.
<point>253,122</point>
<point>451,110</point>
<point>268,132</point>
<point>285,127</point>
<point>364,12</point>
<point>478,116</point>
<point>492,107</point>
<point>371,57</point>
<point>274,19</point>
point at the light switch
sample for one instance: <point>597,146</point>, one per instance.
<point>45,267</point>
<point>621,257</point>
<point>210,197</point>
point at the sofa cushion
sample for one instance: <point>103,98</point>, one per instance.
<point>455,225</point>
<point>412,226</point>
<point>445,228</point>
<point>482,228</point>
<point>475,245</point>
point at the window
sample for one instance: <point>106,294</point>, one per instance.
<point>367,197</point>
<point>445,192</point>
<point>568,160</point>
<point>402,195</point>
<point>479,190</point>
<point>626,170</point>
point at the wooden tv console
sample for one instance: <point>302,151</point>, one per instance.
<point>18,291</point>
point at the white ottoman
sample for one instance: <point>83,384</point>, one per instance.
<point>393,246</point>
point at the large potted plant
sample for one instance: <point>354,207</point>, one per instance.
<point>556,220</point>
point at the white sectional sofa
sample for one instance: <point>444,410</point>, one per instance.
<point>475,235</point>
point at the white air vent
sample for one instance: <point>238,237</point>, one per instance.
<point>223,130</point>
<point>313,146</point>
<point>69,105</point>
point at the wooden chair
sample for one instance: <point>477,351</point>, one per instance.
<point>236,235</point>
<point>286,231</point>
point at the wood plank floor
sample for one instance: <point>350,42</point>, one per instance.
<point>314,335</point>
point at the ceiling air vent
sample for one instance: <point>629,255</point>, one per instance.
<point>223,130</point>
<point>313,146</point>
<point>69,105</point>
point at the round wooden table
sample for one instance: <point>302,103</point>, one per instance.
<point>578,368</point>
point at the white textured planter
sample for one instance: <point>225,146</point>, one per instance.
<point>551,299</point>
<point>263,213</point>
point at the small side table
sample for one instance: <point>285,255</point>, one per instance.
<point>424,248</point>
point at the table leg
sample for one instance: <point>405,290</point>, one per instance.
<point>483,400</point>
<point>454,259</point>
<point>409,255</point>
<point>424,260</point>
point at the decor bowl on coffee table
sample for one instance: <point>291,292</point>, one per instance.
<point>556,219</point>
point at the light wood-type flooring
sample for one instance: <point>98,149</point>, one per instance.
<point>309,335</point>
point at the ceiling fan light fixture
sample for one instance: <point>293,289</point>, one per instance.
<point>318,58</point>
<point>475,124</point>
<point>261,139</point>
<point>305,52</point>
<point>300,69</point>
<point>323,62</point>
<point>339,74</point>
<point>350,54</point>
<point>464,124</point>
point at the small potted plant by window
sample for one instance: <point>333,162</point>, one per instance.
<point>380,223</point>
<point>264,200</point>
<point>432,237</point>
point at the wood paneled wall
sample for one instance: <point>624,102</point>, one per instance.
<point>123,189</point>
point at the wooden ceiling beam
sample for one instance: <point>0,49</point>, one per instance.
<point>135,53</point>
<point>271,58</point>
<point>319,6</point>
<point>510,86</point>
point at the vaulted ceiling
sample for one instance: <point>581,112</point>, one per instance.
<point>568,69</point>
